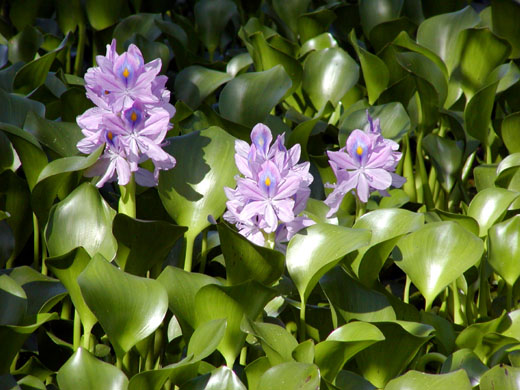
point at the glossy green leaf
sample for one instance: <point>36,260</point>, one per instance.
<point>14,301</point>
<point>24,45</point>
<point>195,83</point>
<point>439,33</point>
<point>211,17</point>
<point>465,221</point>
<point>290,376</point>
<point>238,63</point>
<point>149,242</point>
<point>289,11</point>
<point>7,242</point>
<point>374,12</point>
<point>387,226</point>
<point>320,42</point>
<point>467,360</point>
<point>394,121</point>
<point>314,23</point>
<point>102,14</point>
<point>402,341</point>
<point>347,380</point>
<point>343,344</point>
<point>375,72</point>
<point>82,219</point>
<point>477,114</point>
<point>505,15</point>
<point>354,301</point>
<point>489,206</point>
<point>421,380</point>
<point>446,155</point>
<point>60,137</point>
<point>222,378</point>
<point>510,130</point>
<point>277,343</point>
<point>478,51</point>
<point>33,74</point>
<point>182,288</point>
<point>445,252</point>
<point>193,190</point>
<point>128,307</point>
<point>12,338</point>
<point>317,249</point>
<point>328,75</point>
<point>28,149</point>
<point>142,24</point>
<point>232,303</point>
<point>206,338</point>
<point>267,57</point>
<point>304,352</point>
<point>69,14</point>
<point>255,370</point>
<point>247,261</point>
<point>501,377</point>
<point>504,249</point>
<point>84,372</point>
<point>53,176</point>
<point>67,268</point>
<point>262,90</point>
<point>154,379</point>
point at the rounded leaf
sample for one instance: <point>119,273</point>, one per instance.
<point>290,376</point>
<point>85,372</point>
<point>128,307</point>
<point>420,380</point>
<point>436,255</point>
<point>317,249</point>
<point>504,249</point>
<point>84,219</point>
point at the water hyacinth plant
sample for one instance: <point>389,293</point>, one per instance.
<point>327,199</point>
<point>272,192</point>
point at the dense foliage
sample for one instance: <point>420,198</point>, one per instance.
<point>107,284</point>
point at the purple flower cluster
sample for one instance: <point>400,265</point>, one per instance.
<point>366,164</point>
<point>272,192</point>
<point>131,117</point>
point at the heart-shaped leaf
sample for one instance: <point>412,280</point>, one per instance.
<point>84,219</point>
<point>262,90</point>
<point>402,341</point>
<point>232,303</point>
<point>342,344</point>
<point>447,158</point>
<point>317,249</point>
<point>436,255</point>
<point>328,75</point>
<point>211,17</point>
<point>14,301</point>
<point>504,249</point>
<point>489,206</point>
<point>290,376</point>
<point>194,189</point>
<point>84,372</point>
<point>420,380</point>
<point>500,377</point>
<point>467,360</point>
<point>128,307</point>
<point>247,261</point>
<point>149,242</point>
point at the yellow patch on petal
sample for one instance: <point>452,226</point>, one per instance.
<point>126,73</point>
<point>359,150</point>
<point>110,136</point>
<point>267,181</point>
<point>133,116</point>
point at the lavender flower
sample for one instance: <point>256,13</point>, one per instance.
<point>273,190</point>
<point>131,117</point>
<point>366,164</point>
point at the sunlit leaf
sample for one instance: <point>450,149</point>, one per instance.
<point>416,379</point>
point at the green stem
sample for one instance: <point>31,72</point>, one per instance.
<point>127,199</point>
<point>78,63</point>
<point>509,297</point>
<point>44,257</point>
<point>203,251</point>
<point>65,309</point>
<point>457,315</point>
<point>361,208</point>
<point>489,157</point>
<point>243,356</point>
<point>270,240</point>
<point>483,294</point>
<point>86,337</point>
<point>77,331</point>
<point>406,297</point>
<point>188,259</point>
<point>36,251</point>
<point>409,185</point>
<point>302,321</point>
<point>428,305</point>
<point>427,194</point>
